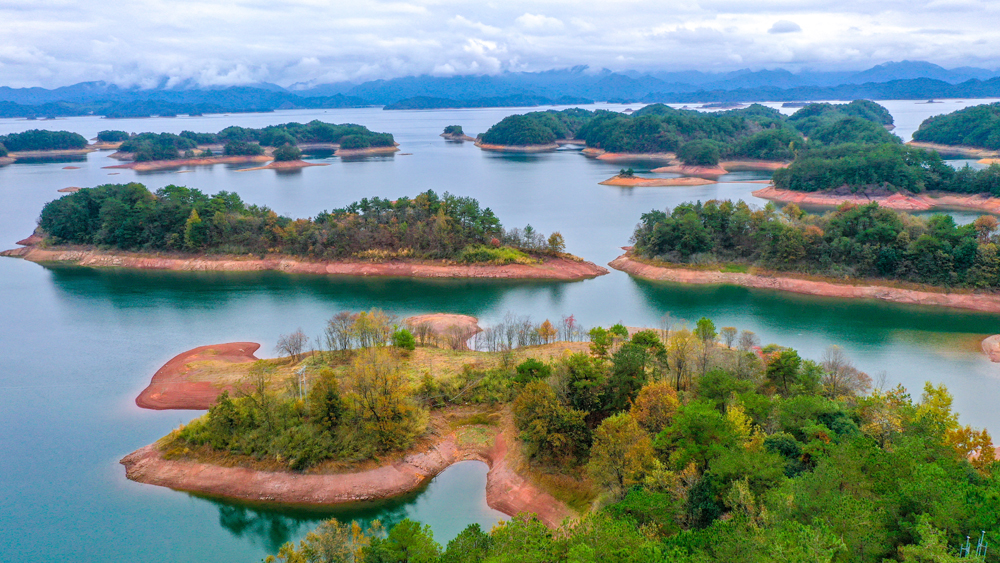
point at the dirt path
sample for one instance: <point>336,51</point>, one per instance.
<point>563,269</point>
<point>988,303</point>
<point>506,491</point>
<point>176,384</point>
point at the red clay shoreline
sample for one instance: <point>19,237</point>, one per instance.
<point>987,303</point>
<point>170,387</point>
<point>506,490</point>
<point>897,201</point>
<point>563,269</point>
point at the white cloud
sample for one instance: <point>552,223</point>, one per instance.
<point>784,26</point>
<point>538,22</point>
<point>147,42</point>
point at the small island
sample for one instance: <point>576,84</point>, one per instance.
<point>455,133</point>
<point>178,228</point>
<point>38,144</point>
<point>857,251</point>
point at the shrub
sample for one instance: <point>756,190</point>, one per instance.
<point>485,254</point>
<point>404,339</point>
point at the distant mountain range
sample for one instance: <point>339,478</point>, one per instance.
<point>896,80</point>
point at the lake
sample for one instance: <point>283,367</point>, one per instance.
<point>77,345</point>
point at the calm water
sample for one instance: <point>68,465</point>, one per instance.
<point>77,345</point>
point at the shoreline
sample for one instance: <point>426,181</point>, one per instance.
<point>561,269</point>
<point>601,154</point>
<point>635,181</point>
<point>518,148</point>
<point>171,387</point>
<point>897,201</point>
<point>959,150</point>
<point>151,165</point>
<point>366,151</point>
<point>285,165</point>
<point>457,137</point>
<point>506,490</point>
<point>969,301</point>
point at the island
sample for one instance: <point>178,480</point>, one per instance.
<point>38,144</point>
<point>617,443</point>
<point>898,176</point>
<point>858,251</point>
<point>970,132</point>
<point>699,147</point>
<point>455,133</point>
<point>237,145</point>
<point>178,228</point>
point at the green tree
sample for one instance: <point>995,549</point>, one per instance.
<point>195,231</point>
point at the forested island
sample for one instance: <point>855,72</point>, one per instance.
<point>40,143</point>
<point>693,138</point>
<point>428,235</point>
<point>912,259</point>
<point>681,443</point>
<point>234,141</point>
<point>514,100</point>
<point>975,127</point>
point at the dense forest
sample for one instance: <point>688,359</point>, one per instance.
<point>976,126</point>
<point>167,146</point>
<point>680,444</point>
<point>701,138</point>
<point>866,241</point>
<point>175,218</point>
<point>42,140</point>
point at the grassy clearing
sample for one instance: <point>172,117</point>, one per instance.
<point>482,254</point>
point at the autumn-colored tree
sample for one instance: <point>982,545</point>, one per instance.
<point>840,376</point>
<point>655,405</point>
<point>551,430</point>
<point>379,400</point>
<point>332,542</point>
<point>680,350</point>
<point>985,226</point>
<point>547,332</point>
<point>621,455</point>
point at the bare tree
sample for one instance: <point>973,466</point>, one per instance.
<point>746,358</point>
<point>292,344</point>
<point>841,377</point>
<point>337,335</point>
<point>728,334</point>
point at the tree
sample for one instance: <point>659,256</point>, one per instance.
<point>679,349</point>
<point>194,231</point>
<point>471,545</point>
<point>326,408</point>
<point>783,369</point>
<point>728,334</point>
<point>379,400</point>
<point>407,542</point>
<point>546,332</point>
<point>600,341</point>
<point>404,339</point>
<point>551,431</point>
<point>628,375</point>
<point>655,405</point>
<point>331,542</point>
<point>292,344</point>
<point>530,370</point>
<point>621,454</point>
<point>705,331</point>
<point>556,242</point>
<point>286,153</point>
<point>840,376</point>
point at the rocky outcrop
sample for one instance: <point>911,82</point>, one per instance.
<point>897,201</point>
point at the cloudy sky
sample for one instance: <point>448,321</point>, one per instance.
<point>136,42</point>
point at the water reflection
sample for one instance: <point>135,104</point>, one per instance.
<point>451,501</point>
